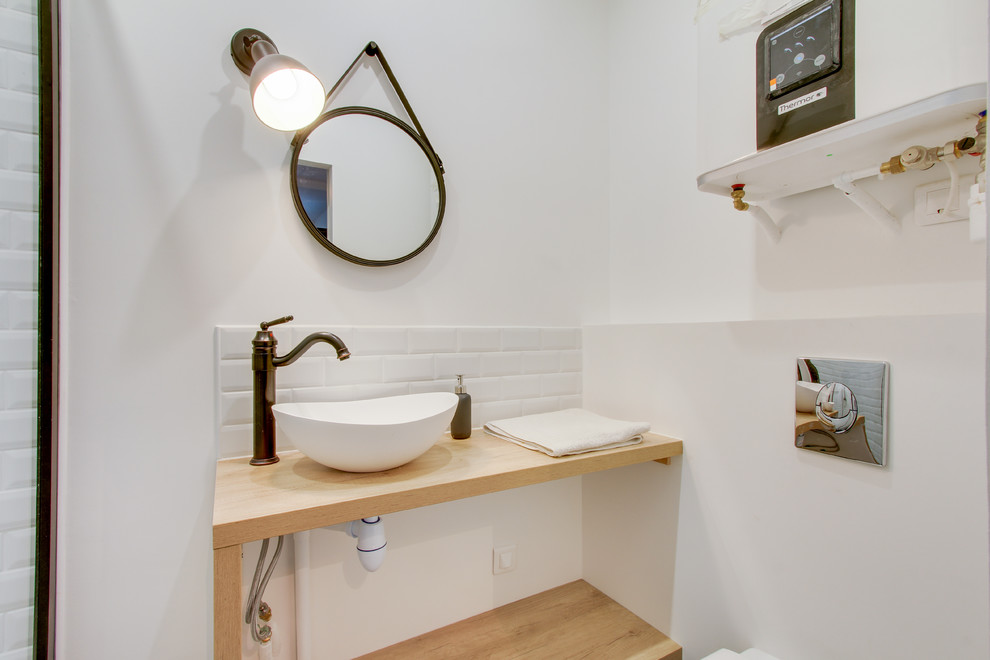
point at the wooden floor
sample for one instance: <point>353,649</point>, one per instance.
<point>571,621</point>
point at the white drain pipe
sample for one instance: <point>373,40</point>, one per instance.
<point>301,578</point>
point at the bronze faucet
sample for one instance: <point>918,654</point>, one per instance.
<point>264,362</point>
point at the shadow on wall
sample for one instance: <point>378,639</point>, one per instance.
<point>214,217</point>
<point>828,244</point>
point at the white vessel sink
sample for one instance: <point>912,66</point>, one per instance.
<point>369,435</point>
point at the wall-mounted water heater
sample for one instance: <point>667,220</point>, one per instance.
<point>805,72</point>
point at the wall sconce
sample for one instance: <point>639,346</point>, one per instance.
<point>285,94</point>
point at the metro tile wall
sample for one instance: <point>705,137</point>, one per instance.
<point>18,321</point>
<point>507,371</point>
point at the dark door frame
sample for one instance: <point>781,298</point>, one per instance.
<point>48,329</point>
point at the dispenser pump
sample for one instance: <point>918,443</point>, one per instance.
<point>460,425</point>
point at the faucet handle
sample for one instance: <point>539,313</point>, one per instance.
<point>267,324</point>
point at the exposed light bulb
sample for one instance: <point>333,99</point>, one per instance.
<point>281,84</point>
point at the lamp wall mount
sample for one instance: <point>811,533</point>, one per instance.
<point>241,44</point>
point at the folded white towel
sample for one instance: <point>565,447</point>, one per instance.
<point>566,432</point>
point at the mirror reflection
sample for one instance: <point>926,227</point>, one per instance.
<point>367,186</point>
<point>841,408</point>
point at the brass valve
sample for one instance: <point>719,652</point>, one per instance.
<point>892,166</point>
<point>737,197</point>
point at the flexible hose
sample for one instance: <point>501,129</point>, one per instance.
<point>252,595</point>
<point>258,589</point>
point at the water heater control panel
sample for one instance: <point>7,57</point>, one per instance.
<point>805,72</point>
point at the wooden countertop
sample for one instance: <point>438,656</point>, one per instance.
<point>297,493</point>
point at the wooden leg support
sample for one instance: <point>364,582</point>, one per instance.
<point>227,603</point>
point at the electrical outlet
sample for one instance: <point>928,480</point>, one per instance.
<point>931,201</point>
<point>503,559</point>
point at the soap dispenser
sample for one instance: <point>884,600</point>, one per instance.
<point>460,425</point>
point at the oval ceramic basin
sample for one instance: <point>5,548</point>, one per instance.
<point>369,435</point>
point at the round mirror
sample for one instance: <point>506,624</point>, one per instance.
<point>367,186</point>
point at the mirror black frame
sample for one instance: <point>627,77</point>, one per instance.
<point>415,131</point>
<point>300,140</point>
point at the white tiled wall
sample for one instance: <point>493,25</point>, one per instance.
<point>507,371</point>
<point>18,321</point>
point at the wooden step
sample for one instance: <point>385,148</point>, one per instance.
<point>571,621</point>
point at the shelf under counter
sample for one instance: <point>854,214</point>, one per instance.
<point>297,494</point>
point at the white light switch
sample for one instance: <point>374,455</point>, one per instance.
<point>503,559</point>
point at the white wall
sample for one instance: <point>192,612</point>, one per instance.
<point>18,322</point>
<point>680,255</point>
<point>178,218</point>
<point>681,259</point>
<point>800,554</point>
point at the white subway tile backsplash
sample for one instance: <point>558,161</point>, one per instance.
<point>16,589</point>
<point>432,340</point>
<point>18,190</point>
<point>350,392</point>
<point>422,386</point>
<point>20,389</point>
<point>6,218</point>
<point>482,413</point>
<point>18,31</point>
<point>540,362</point>
<point>507,371</point>
<point>18,349</point>
<point>570,360</point>
<point>236,375</point>
<point>18,112</point>
<point>449,365</point>
<point>236,441</point>
<point>236,408</point>
<point>561,384</point>
<point>18,629</point>
<point>522,387</point>
<point>409,368</point>
<point>18,270</point>
<point>570,401</point>
<point>18,468</point>
<point>561,338</point>
<point>26,6</point>
<point>22,72</point>
<point>235,342</point>
<point>16,509</point>
<point>18,654</point>
<point>354,370</point>
<point>543,405</point>
<point>501,364</point>
<point>18,549</point>
<point>521,339</point>
<point>378,341</point>
<point>304,372</point>
<point>18,322</point>
<point>17,429</point>
<point>483,390</point>
<point>22,310</point>
<point>23,151</point>
<point>474,340</point>
<point>23,230</point>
